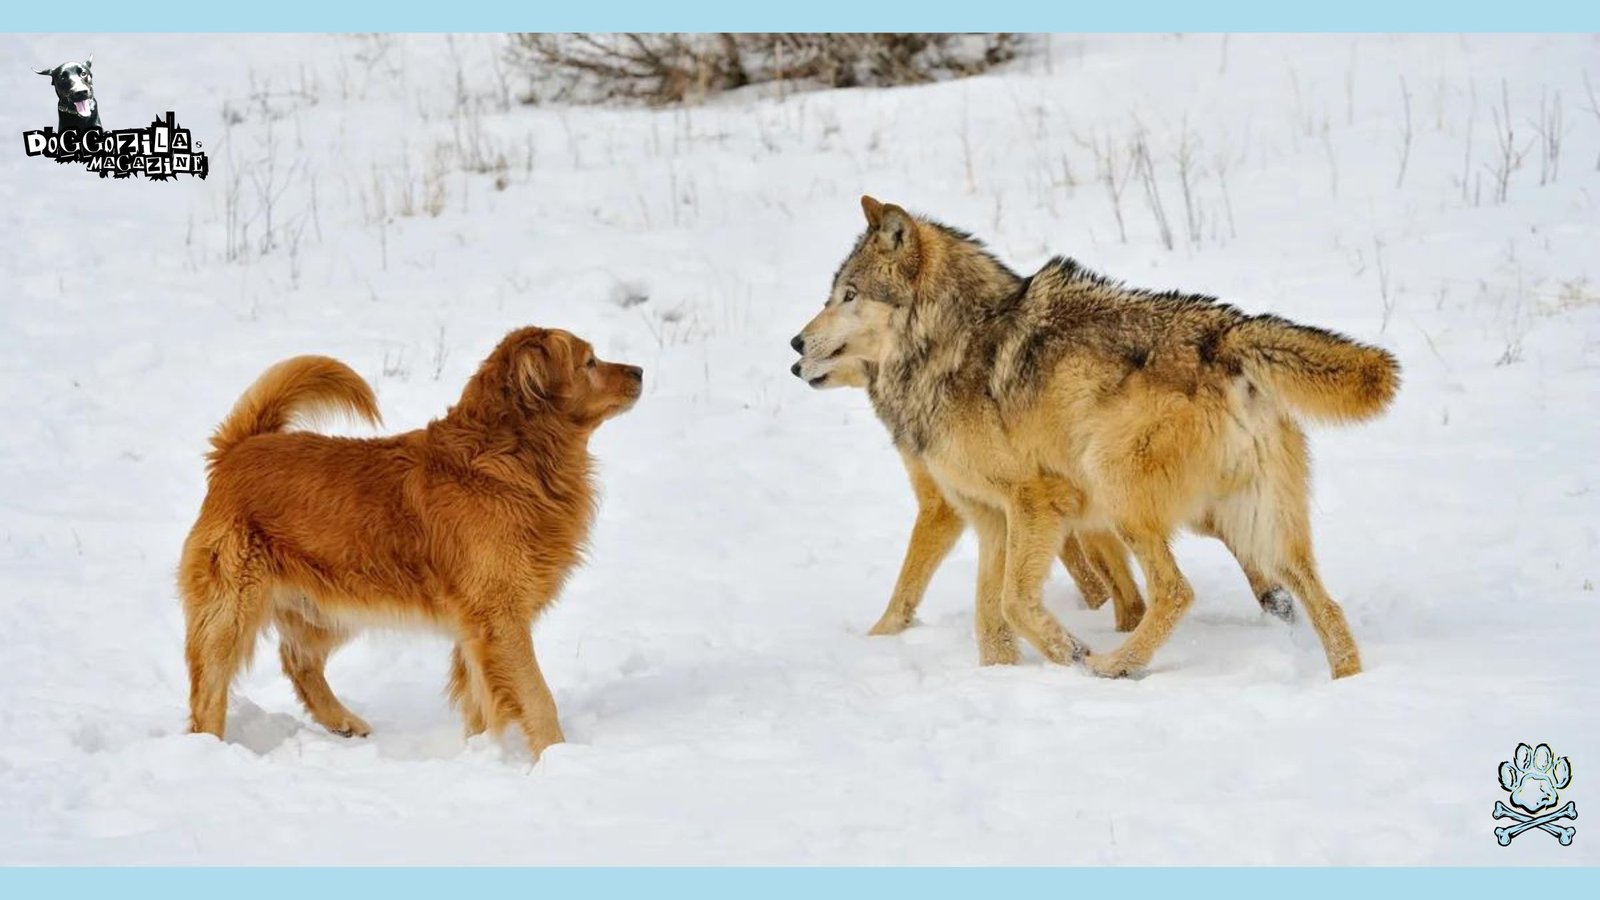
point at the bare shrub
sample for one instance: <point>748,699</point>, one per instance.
<point>662,69</point>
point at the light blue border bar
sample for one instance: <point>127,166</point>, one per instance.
<point>801,884</point>
<point>808,15</point>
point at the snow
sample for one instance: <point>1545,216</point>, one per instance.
<point>720,698</point>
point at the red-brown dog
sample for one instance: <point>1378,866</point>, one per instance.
<point>469,525</point>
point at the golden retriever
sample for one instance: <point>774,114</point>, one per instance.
<point>468,526</point>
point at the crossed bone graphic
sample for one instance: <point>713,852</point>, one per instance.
<point>1563,833</point>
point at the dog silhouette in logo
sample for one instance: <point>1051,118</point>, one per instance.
<point>1534,777</point>
<point>76,108</point>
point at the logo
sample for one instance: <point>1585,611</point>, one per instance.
<point>1534,776</point>
<point>160,152</point>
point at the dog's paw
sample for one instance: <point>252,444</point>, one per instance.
<point>351,726</point>
<point>1534,776</point>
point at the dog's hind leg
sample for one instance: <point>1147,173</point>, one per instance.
<point>937,527</point>
<point>225,604</point>
<point>303,648</point>
<point>1110,559</point>
<point>464,693</point>
<point>1170,597</point>
<point>513,689</point>
<point>1035,526</point>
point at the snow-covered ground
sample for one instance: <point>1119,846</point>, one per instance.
<point>721,699</point>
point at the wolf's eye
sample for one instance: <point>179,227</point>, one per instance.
<point>849,295</point>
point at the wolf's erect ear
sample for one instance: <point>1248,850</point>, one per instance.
<point>896,232</point>
<point>873,209</point>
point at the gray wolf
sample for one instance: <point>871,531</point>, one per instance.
<point>1067,400</point>
<point>468,526</point>
<point>836,347</point>
<point>76,107</point>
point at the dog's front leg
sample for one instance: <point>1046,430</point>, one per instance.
<point>514,689</point>
<point>466,692</point>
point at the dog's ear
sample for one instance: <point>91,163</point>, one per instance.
<point>48,73</point>
<point>897,233</point>
<point>88,63</point>
<point>542,368</point>
<point>873,210</point>
<point>531,371</point>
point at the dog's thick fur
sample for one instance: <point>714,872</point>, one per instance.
<point>469,526</point>
<point>1067,400</point>
<point>838,347</point>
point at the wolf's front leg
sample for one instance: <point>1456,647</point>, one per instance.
<point>937,527</point>
<point>1170,596</point>
<point>997,643</point>
<point>1034,529</point>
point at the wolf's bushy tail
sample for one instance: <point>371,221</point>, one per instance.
<point>298,388</point>
<point>1318,373</point>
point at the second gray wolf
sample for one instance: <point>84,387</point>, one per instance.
<point>1069,401</point>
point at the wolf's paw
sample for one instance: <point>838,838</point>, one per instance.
<point>1534,776</point>
<point>1113,665</point>
<point>998,650</point>
<point>891,623</point>
<point>1277,603</point>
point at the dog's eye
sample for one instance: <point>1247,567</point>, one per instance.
<point>590,364</point>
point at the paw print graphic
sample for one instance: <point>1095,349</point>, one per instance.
<point>1534,777</point>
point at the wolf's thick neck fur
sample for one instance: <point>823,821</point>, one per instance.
<point>974,329</point>
<point>936,339</point>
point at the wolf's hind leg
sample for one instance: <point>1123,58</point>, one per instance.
<point>1170,597</point>
<point>1084,573</point>
<point>1271,596</point>
<point>1300,571</point>
<point>1110,559</point>
<point>937,528</point>
<point>303,648</point>
<point>1034,530</point>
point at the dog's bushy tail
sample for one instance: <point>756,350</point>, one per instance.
<point>1318,373</point>
<point>294,390</point>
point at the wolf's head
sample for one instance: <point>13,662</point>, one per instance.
<point>74,84</point>
<point>838,346</point>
